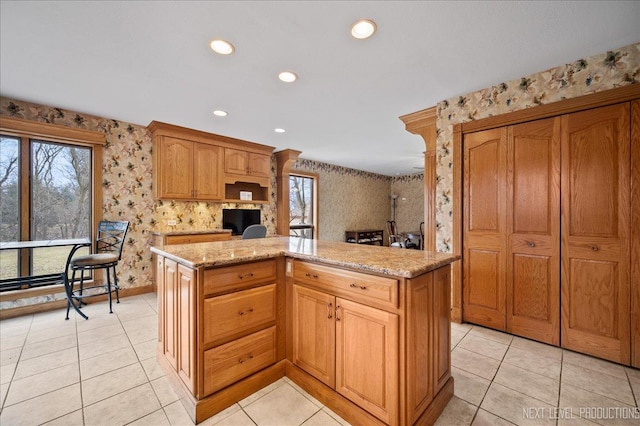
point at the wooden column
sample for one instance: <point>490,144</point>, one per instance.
<point>423,123</point>
<point>284,161</point>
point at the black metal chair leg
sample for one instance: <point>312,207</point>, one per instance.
<point>109,290</point>
<point>116,286</point>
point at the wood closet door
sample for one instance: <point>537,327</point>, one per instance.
<point>533,259</point>
<point>485,228</point>
<point>595,232</point>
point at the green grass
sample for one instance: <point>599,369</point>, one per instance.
<point>49,260</point>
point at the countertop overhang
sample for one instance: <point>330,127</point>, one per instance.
<point>382,260</point>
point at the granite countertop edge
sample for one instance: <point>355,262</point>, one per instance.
<point>416,268</point>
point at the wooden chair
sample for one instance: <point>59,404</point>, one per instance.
<point>109,242</point>
<point>421,235</point>
<point>395,240</point>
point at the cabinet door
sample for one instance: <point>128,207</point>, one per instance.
<point>314,333</point>
<point>367,358</point>
<point>595,232</point>
<point>485,229</point>
<point>160,290</point>
<point>207,173</point>
<point>259,165</point>
<point>236,161</point>
<point>533,255</point>
<point>170,316</point>
<point>175,168</point>
<point>186,281</point>
<point>441,322</point>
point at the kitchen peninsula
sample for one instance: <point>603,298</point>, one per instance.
<point>363,329</point>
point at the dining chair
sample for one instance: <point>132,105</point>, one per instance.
<point>254,231</point>
<point>395,240</point>
<point>109,243</point>
<point>421,235</point>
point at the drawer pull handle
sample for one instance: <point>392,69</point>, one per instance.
<point>329,311</point>
<point>594,248</point>
<point>531,244</point>
<point>353,285</point>
<point>363,287</point>
<point>337,316</point>
<point>248,275</point>
<point>309,275</point>
<point>243,360</point>
<point>248,311</point>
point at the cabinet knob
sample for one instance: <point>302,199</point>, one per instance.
<point>595,248</point>
<point>531,244</point>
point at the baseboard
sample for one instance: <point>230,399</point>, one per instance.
<point>60,304</point>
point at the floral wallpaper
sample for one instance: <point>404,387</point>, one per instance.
<point>127,192</point>
<point>349,199</point>
<point>410,201</point>
<point>592,74</point>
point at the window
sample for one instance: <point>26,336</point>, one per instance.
<point>302,205</point>
<point>48,191</point>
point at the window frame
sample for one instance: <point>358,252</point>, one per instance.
<point>315,228</point>
<point>26,131</point>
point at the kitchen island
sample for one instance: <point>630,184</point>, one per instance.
<point>363,329</point>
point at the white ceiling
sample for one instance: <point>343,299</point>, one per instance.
<point>144,61</point>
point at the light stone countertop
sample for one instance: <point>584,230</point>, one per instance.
<point>383,260</point>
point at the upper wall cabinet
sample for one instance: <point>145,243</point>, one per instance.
<point>193,165</point>
<point>246,163</point>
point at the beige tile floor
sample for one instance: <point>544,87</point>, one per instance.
<point>103,371</point>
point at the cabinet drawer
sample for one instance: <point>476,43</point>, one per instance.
<point>239,276</point>
<point>233,361</point>
<point>365,288</point>
<point>196,238</point>
<point>232,314</point>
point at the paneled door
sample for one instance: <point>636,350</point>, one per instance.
<point>314,333</point>
<point>533,253</point>
<point>595,232</point>
<point>485,228</point>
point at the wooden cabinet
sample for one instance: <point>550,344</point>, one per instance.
<point>314,333</point>
<point>350,347</point>
<point>246,163</point>
<point>546,212</point>
<point>160,240</point>
<point>194,165</point>
<point>349,330</point>
<point>177,321</point>
<point>219,327</point>
<point>367,358</point>
<point>187,170</point>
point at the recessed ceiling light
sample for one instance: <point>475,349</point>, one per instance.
<point>220,113</point>
<point>363,28</point>
<point>279,130</point>
<point>222,47</point>
<point>288,76</point>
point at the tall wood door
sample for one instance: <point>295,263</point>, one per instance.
<point>187,333</point>
<point>176,168</point>
<point>533,252</point>
<point>314,333</point>
<point>485,228</point>
<point>170,317</point>
<point>367,358</point>
<point>595,232</point>
<point>207,174</point>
